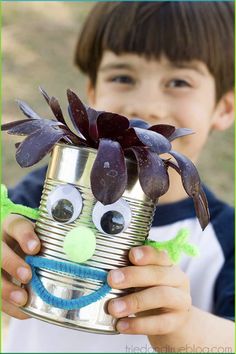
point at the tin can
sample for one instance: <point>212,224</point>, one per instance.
<point>72,165</point>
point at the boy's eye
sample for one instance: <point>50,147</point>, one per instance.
<point>112,219</point>
<point>178,83</point>
<point>122,79</point>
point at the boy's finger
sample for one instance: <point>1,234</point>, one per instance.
<point>22,230</point>
<point>144,255</point>
<point>145,276</point>
<point>14,265</point>
<point>151,325</point>
<point>13,311</point>
<point>13,293</point>
<point>149,299</point>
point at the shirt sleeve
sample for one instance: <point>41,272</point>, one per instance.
<point>29,190</point>
<point>224,286</point>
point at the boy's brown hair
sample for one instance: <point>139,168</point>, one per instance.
<point>182,31</point>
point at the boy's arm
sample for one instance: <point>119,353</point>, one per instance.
<point>29,190</point>
<point>162,304</point>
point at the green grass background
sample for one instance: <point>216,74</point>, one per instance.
<point>38,40</point>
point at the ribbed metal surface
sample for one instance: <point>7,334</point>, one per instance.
<point>73,165</point>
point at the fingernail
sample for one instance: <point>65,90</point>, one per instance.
<point>119,305</point>
<point>117,276</point>
<point>138,253</point>
<point>23,273</point>
<point>122,325</point>
<point>32,244</point>
<point>17,296</point>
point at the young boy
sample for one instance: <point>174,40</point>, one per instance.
<point>164,62</point>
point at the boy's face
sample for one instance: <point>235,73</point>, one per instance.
<point>159,92</point>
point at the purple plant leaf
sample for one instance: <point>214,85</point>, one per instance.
<point>76,140</point>
<point>37,145</point>
<point>25,128</point>
<point>185,167</point>
<point>129,138</point>
<point>201,208</point>
<point>11,125</point>
<point>111,125</point>
<point>27,110</point>
<point>30,127</point>
<point>45,95</point>
<point>154,141</point>
<point>77,133</point>
<point>189,174</point>
<point>56,109</point>
<point>139,123</point>
<point>163,129</point>
<point>179,132</point>
<point>93,128</point>
<point>109,173</point>
<point>78,114</point>
<point>173,165</point>
<point>152,170</point>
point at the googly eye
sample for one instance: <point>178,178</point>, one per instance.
<point>64,203</point>
<point>113,218</point>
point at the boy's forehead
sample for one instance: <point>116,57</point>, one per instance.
<point>133,61</point>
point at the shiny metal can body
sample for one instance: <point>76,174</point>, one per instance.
<point>72,165</point>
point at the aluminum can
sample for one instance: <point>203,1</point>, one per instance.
<point>72,165</point>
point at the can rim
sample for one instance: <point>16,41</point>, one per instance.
<point>88,148</point>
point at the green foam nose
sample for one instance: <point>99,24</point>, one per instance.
<point>79,244</point>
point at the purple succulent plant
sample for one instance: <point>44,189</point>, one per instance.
<point>115,137</point>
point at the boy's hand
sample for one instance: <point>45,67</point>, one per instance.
<point>17,232</point>
<point>162,301</point>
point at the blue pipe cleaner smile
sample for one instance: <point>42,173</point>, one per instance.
<point>84,272</point>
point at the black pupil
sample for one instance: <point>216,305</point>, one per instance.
<point>62,210</point>
<point>112,222</point>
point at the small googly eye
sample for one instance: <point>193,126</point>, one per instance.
<point>64,203</point>
<point>113,218</point>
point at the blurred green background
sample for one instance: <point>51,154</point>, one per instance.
<point>38,40</point>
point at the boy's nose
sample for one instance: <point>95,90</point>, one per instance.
<point>149,109</point>
<point>79,244</point>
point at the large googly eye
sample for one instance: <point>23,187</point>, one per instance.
<point>64,203</point>
<point>112,218</point>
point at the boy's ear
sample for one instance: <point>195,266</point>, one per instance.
<point>91,97</point>
<point>224,112</point>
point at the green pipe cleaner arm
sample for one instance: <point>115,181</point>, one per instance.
<point>8,207</point>
<point>176,246</point>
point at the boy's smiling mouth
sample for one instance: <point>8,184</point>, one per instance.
<point>67,268</point>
